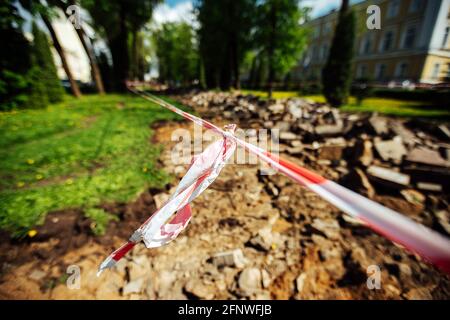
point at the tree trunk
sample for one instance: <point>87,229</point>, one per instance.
<point>271,50</point>
<point>345,5</point>
<point>134,56</point>
<point>119,52</point>
<point>73,84</point>
<point>96,75</point>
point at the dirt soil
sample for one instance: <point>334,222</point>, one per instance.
<point>295,246</point>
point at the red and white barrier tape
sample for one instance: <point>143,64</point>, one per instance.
<point>156,231</point>
<point>430,245</point>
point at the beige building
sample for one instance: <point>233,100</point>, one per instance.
<point>412,44</point>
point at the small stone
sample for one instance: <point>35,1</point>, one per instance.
<point>300,282</point>
<point>133,286</point>
<point>330,228</point>
<point>427,157</point>
<point>263,240</point>
<point>37,275</point>
<point>199,290</point>
<point>443,218</point>
<point>379,125</point>
<point>276,108</point>
<point>286,136</point>
<point>329,130</point>
<point>331,152</point>
<point>265,278</point>
<point>391,149</point>
<point>234,258</point>
<point>428,186</point>
<point>388,176</point>
<point>413,196</point>
<point>419,294</point>
<point>250,281</point>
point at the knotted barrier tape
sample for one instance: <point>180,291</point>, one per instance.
<point>430,245</point>
<point>156,231</point>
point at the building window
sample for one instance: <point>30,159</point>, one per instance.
<point>380,71</point>
<point>410,38</point>
<point>401,70</point>
<point>393,8</point>
<point>324,52</point>
<point>388,41</point>
<point>361,72</point>
<point>436,68</point>
<point>415,5</point>
<point>445,40</point>
<point>328,27</point>
<point>366,45</point>
<point>316,32</point>
<point>315,56</point>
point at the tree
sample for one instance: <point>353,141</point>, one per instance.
<point>280,36</point>
<point>85,42</point>
<point>43,58</point>
<point>337,73</point>
<point>38,8</point>
<point>176,53</point>
<point>116,20</point>
<point>15,61</point>
<point>224,37</point>
<point>73,84</point>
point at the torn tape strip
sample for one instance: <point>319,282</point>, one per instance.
<point>163,226</point>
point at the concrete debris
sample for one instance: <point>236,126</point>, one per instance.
<point>199,290</point>
<point>428,186</point>
<point>388,176</point>
<point>250,281</point>
<point>379,125</point>
<point>443,219</point>
<point>263,240</point>
<point>234,258</point>
<point>391,149</point>
<point>427,156</point>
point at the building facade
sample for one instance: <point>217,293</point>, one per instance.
<point>412,44</point>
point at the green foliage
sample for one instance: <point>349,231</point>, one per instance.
<point>15,59</point>
<point>279,35</point>
<point>337,73</point>
<point>115,20</point>
<point>100,220</point>
<point>78,153</point>
<point>43,58</point>
<point>225,35</point>
<point>177,54</point>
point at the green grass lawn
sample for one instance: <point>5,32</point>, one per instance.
<point>392,107</point>
<point>76,154</point>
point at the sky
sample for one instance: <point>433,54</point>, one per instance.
<point>181,10</point>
